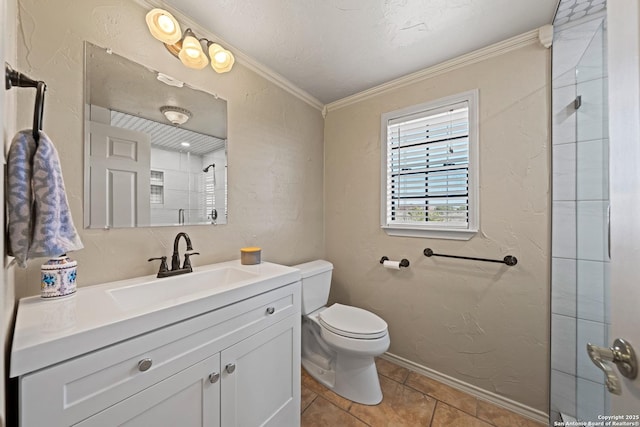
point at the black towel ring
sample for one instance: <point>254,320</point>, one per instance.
<point>38,111</point>
<point>14,78</point>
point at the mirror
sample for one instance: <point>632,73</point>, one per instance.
<point>142,166</point>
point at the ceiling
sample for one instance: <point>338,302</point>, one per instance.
<point>336,48</point>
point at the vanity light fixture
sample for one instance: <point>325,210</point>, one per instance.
<point>188,47</point>
<point>176,115</point>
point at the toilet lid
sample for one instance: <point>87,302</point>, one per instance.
<point>352,322</point>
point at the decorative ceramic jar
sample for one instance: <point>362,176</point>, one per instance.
<point>58,278</point>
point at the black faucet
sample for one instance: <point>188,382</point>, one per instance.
<point>175,258</point>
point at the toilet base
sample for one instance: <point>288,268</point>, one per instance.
<point>325,377</point>
<point>354,378</point>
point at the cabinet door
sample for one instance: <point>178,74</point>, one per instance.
<point>190,398</point>
<point>261,378</point>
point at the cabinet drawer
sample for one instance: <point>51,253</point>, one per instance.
<point>185,399</point>
<point>76,389</point>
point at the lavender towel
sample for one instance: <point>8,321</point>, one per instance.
<point>38,215</point>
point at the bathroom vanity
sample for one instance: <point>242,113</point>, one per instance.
<point>216,347</point>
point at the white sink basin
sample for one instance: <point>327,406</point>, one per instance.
<point>166,289</point>
<point>47,332</point>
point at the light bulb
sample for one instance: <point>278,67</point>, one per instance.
<point>166,24</point>
<point>163,26</point>
<point>191,45</point>
<point>221,59</point>
<point>191,54</point>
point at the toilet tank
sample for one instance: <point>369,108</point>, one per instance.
<point>316,282</point>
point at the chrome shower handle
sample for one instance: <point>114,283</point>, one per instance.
<point>622,355</point>
<point>598,356</point>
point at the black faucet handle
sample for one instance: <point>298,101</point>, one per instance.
<point>187,261</point>
<point>163,264</point>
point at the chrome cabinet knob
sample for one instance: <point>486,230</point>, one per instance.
<point>214,377</point>
<point>271,310</point>
<point>144,364</point>
<point>230,368</point>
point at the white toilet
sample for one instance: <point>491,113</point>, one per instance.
<point>339,342</point>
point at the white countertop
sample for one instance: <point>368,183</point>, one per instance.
<point>50,331</point>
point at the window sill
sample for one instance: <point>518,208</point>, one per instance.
<point>449,234</point>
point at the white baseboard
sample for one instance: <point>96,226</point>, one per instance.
<point>511,405</point>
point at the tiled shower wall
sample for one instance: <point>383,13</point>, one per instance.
<point>580,203</point>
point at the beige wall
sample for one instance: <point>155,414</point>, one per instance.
<point>480,323</point>
<point>275,145</point>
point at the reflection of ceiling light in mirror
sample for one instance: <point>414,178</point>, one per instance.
<point>168,80</point>
<point>176,115</point>
<point>185,144</point>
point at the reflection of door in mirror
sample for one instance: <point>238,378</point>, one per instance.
<point>155,149</point>
<point>119,176</point>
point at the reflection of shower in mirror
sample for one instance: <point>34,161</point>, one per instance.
<point>205,170</point>
<point>214,212</point>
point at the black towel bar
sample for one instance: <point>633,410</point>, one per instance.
<point>510,260</point>
<point>13,78</point>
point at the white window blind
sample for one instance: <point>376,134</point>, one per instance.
<point>429,175</point>
<point>209,194</point>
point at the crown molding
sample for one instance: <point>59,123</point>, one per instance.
<point>490,51</point>
<point>245,60</point>
<point>545,35</point>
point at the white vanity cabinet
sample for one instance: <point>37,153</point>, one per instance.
<point>238,365</point>
<point>258,385</point>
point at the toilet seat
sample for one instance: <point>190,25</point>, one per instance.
<point>352,322</point>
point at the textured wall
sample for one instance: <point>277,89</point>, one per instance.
<point>275,145</point>
<point>481,323</point>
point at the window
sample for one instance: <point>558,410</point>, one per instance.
<point>430,169</point>
<point>157,187</point>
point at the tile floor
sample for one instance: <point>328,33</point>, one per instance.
<point>410,399</point>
